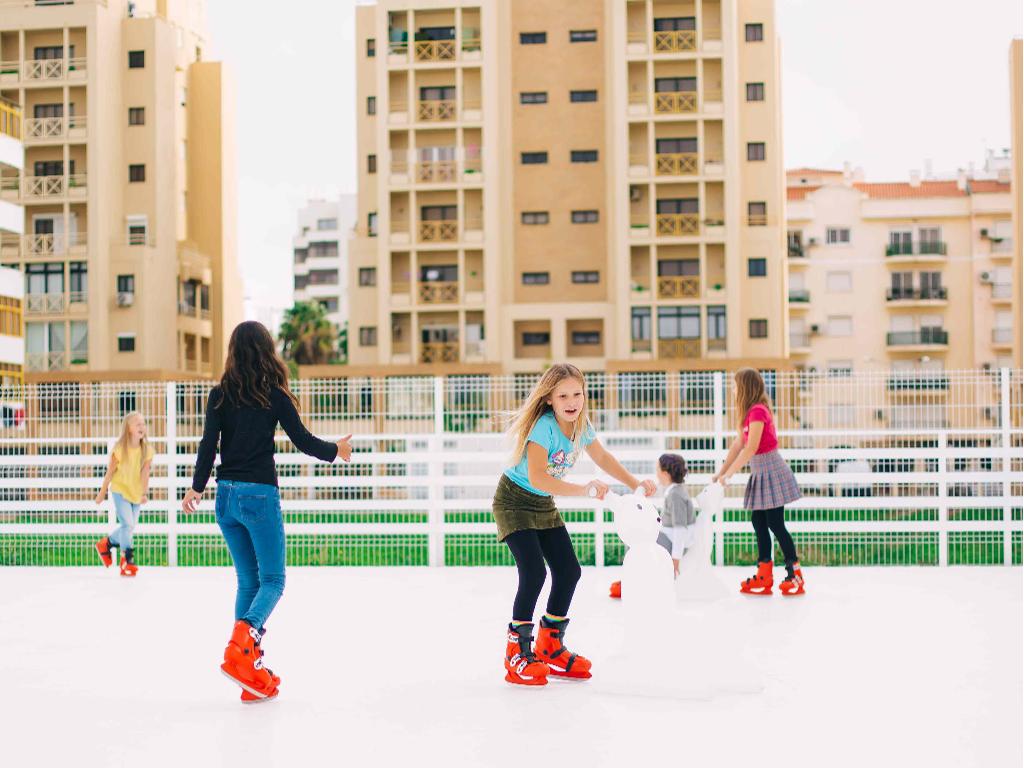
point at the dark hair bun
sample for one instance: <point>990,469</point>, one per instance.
<point>674,465</point>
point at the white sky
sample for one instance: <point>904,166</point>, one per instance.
<point>881,83</point>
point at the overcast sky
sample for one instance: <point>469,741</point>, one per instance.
<point>884,84</point>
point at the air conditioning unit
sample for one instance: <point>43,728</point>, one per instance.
<point>815,328</point>
<point>634,194</point>
<point>984,232</point>
<point>812,241</point>
<point>985,277</point>
<point>125,299</point>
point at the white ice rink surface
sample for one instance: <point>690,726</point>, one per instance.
<point>402,667</point>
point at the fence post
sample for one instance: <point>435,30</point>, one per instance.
<point>171,437</point>
<point>719,426</point>
<point>943,502</point>
<point>435,475</point>
<point>1005,463</point>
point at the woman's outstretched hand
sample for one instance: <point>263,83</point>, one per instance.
<point>191,501</point>
<point>345,448</point>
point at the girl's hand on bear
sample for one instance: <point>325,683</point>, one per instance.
<point>649,486</point>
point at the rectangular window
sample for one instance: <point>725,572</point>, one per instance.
<point>757,267</point>
<point>136,59</point>
<point>675,24</point>
<point>677,205</point>
<point>758,329</point>
<point>44,278</point>
<point>534,217</point>
<point>716,322</point>
<point>641,324</point>
<point>586,276</point>
<point>678,267</point>
<point>136,173</point>
<point>582,35</point>
<point>371,47</point>
<point>371,224</point>
<point>78,279</point>
<point>326,225</point>
<point>126,284</point>
<point>367,276</point>
<point>584,217</point>
<point>755,150</point>
<point>536,338</point>
<point>837,235</point>
<point>675,84</point>
<point>136,115</point>
<point>682,146</point>
<point>678,323</point>
<point>126,342</point>
<point>439,273</point>
<point>581,96</point>
<point>757,214</point>
<point>371,105</point>
<point>439,212</point>
<point>371,163</point>
<point>586,338</point>
<point>840,325</point>
<point>839,282</point>
<point>368,336</point>
<point>138,230</point>
<point>437,93</point>
<point>755,91</point>
<point>533,158</point>
<point>536,278</point>
<point>78,330</point>
<point>755,33</point>
<point>533,38</point>
<point>533,97</point>
<point>583,156</point>
<point>50,52</point>
<point>51,167</point>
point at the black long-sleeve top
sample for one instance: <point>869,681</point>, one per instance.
<point>247,440</point>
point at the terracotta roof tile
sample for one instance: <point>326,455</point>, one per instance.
<point>812,172</point>
<point>902,190</point>
<point>988,186</point>
<point>799,193</point>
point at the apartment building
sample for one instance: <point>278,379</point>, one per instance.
<point>320,255</point>
<point>1017,155</point>
<point>128,187</point>
<point>12,219</point>
<point>599,182</point>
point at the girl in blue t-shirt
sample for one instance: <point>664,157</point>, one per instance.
<point>549,430</point>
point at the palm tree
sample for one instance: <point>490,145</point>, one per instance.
<point>307,337</point>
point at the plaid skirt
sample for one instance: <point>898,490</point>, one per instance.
<point>771,483</point>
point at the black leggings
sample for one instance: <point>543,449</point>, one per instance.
<point>764,520</point>
<point>531,549</point>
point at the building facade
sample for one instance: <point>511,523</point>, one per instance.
<point>320,255</point>
<point>128,186</point>
<point>1017,155</point>
<point>12,219</point>
<point>599,182</point>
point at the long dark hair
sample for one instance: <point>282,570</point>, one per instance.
<point>674,465</point>
<point>252,369</point>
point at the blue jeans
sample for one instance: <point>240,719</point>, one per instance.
<point>127,517</point>
<point>249,516</point>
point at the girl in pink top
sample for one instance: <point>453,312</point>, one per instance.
<point>771,485</point>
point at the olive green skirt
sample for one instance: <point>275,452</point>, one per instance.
<point>516,509</point>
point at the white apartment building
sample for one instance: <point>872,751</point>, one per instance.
<point>320,255</point>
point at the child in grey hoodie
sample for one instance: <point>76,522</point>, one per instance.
<point>678,516</point>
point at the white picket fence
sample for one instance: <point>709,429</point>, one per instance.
<point>948,491</point>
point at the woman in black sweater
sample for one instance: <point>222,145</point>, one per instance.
<point>243,412</point>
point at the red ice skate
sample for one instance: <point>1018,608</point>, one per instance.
<point>128,566</point>
<point>615,590</point>
<point>760,583</point>
<point>243,663</point>
<point>103,550</point>
<point>563,663</point>
<point>793,585</point>
<point>522,667</point>
<point>248,698</point>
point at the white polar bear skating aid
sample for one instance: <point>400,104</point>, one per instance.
<point>697,581</point>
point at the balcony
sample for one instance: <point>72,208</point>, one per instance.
<point>718,345</point>
<point>1002,337</point>
<point>679,287</point>
<point>437,172</point>
<point>799,341</point>
<point>922,381</point>
<point>923,337</point>
<point>799,296</point>
<point>439,352</point>
<point>445,231</point>
<point>916,295</point>
<point>677,224</point>
<point>796,251</point>
<point>436,110</point>
<point>46,361</point>
<point>1002,292</point>
<point>675,102</point>
<point>40,130</point>
<point>52,303</point>
<point>757,220</point>
<point>438,292</point>
<point>676,164</point>
<point>1002,248</point>
<point>28,246</point>
<point>678,349</point>
<point>35,188</point>
<point>42,70</point>
<point>434,50</point>
<point>187,309</point>
<point>10,119</point>
<point>928,250</point>
<point>675,41</point>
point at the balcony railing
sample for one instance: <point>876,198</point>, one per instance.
<point>439,231</point>
<point>918,248</point>
<point>436,172</point>
<point>437,292</point>
<point>757,220</point>
<point>41,245</point>
<point>1002,335</point>
<point>46,361</point>
<point>10,119</point>
<point>1002,290</point>
<point>917,382</point>
<point>717,345</point>
<point>675,102</point>
<point>798,340</point>
<point>44,128</point>
<point>679,287</point>
<point>676,349</point>
<point>799,296</point>
<point>677,224</point>
<point>675,40</point>
<point>641,345</point>
<point>938,336</point>
<point>434,50</point>
<point>439,352</point>
<point>53,69</point>
<point>1003,245</point>
<point>186,309</point>
<point>919,294</point>
<point>796,251</point>
<point>45,303</point>
<point>676,164</point>
<point>44,186</point>
<point>432,111</point>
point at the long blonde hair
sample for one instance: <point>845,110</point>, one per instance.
<point>122,441</point>
<point>521,422</point>
<point>749,392</point>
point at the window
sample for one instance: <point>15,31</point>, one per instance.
<point>371,47</point>
<point>536,338</point>
<point>682,146</point>
<point>435,33</point>
<point>136,173</point>
<point>676,205</point>
<point>78,330</point>
<point>126,342</point>
<point>136,59</point>
<point>439,273</point>
<point>368,336</point>
<point>675,24</point>
<point>840,235</point>
<point>586,276</point>
<point>51,167</point>
<point>136,115</point>
<point>367,276</point>
<point>78,280</point>
<point>582,35</point>
<point>586,338</point>
<point>371,163</point>
<point>675,84</point>
<point>758,329</point>
<point>138,230</point>
<point>840,325</point>
<point>371,224</point>
<point>533,38</point>
<point>839,282</point>
<point>755,91</point>
<point>49,52</point>
<point>534,158</point>
<point>438,212</point>
<point>126,284</point>
<point>678,267</point>
<point>536,278</point>
<point>534,217</point>
<point>329,305</point>
<point>371,105</point>
<point>326,224</point>
<point>757,267</point>
<point>757,214</point>
<point>44,278</point>
<point>641,324</point>
<point>931,285</point>
<point>755,33</point>
<point>839,369</point>
<point>581,96</point>
<point>584,217</point>
<point>583,156</point>
<point>755,150</point>
<point>716,323</point>
<point>324,249</point>
<point>533,97</point>
<point>437,93</point>
<point>678,322</point>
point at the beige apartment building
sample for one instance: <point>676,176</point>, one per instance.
<point>1017,153</point>
<point>592,181</point>
<point>908,277</point>
<point>128,186</point>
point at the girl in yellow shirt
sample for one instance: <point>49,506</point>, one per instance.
<point>128,480</point>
